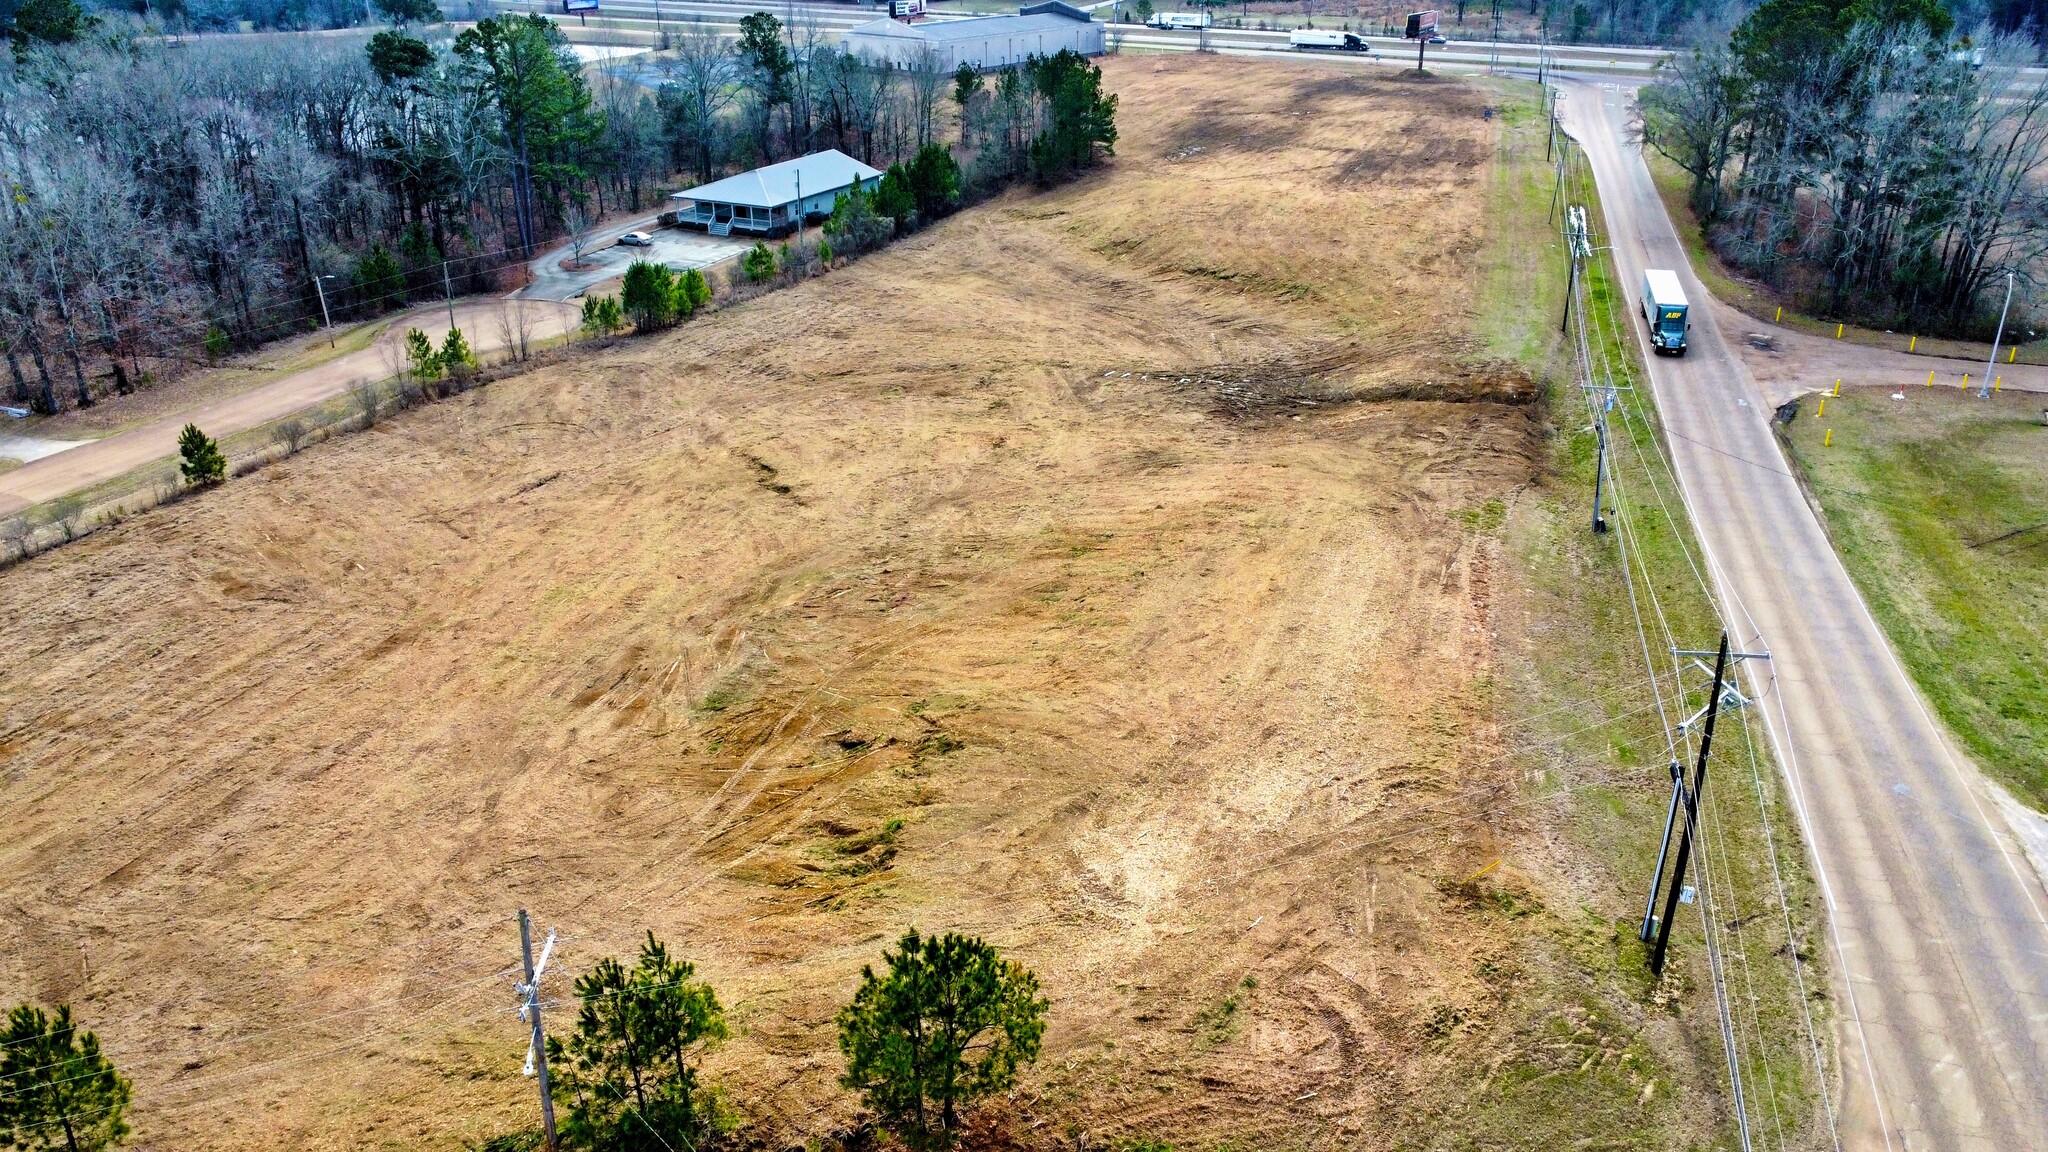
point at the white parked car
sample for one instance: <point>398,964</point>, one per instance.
<point>637,240</point>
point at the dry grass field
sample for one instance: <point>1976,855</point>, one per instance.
<point>1117,541</point>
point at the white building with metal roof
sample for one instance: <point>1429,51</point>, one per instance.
<point>766,200</point>
<point>986,42</point>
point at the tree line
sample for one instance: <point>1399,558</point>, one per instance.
<point>1865,158</point>
<point>946,1023</point>
<point>168,202</point>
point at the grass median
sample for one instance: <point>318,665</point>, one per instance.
<point>1938,504</point>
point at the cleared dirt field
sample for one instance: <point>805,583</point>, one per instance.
<point>1119,541</point>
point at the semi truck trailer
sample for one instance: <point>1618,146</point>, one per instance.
<point>1664,309</point>
<point>1307,39</point>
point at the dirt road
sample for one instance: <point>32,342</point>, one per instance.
<point>76,469</point>
<point>1798,362</point>
<point>1938,917</point>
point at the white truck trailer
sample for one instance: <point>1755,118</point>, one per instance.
<point>1664,310</point>
<point>1311,39</point>
<point>1181,20</point>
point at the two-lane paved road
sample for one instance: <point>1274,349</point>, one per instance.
<point>1941,949</point>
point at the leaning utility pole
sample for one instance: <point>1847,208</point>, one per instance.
<point>326,320</point>
<point>529,1010</point>
<point>1992,364</point>
<point>1692,808</point>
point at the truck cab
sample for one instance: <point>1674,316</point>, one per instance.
<point>1665,311</point>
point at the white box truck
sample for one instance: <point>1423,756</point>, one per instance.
<point>1309,39</point>
<point>1664,309</point>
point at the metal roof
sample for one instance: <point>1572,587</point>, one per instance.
<point>943,31</point>
<point>826,171</point>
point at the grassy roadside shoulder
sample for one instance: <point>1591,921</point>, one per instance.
<point>1599,1053</point>
<point>1938,505</point>
<point>1758,302</point>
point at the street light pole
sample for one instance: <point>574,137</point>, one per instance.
<point>1991,364</point>
<point>327,320</point>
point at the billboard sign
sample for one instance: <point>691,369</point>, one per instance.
<point>574,6</point>
<point>1421,25</point>
<point>907,9</point>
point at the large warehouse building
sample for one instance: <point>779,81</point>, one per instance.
<point>987,42</point>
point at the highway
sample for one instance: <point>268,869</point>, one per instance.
<point>638,22</point>
<point>1940,946</point>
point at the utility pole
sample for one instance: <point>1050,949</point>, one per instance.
<point>529,1010</point>
<point>1571,284</point>
<point>1991,364</point>
<point>1576,250</point>
<point>448,290</point>
<point>1692,807</point>
<point>1599,471</point>
<point>1493,46</point>
<point>800,215</point>
<point>328,322</point>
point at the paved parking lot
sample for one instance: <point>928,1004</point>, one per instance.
<point>675,247</point>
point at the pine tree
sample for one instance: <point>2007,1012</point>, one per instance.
<point>455,356</point>
<point>894,198</point>
<point>648,296</point>
<point>949,1023</point>
<point>199,457</point>
<point>601,315</point>
<point>696,289</point>
<point>420,357</point>
<point>56,1090</point>
<point>626,1074</point>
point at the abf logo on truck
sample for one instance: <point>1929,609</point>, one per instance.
<point>1664,310</point>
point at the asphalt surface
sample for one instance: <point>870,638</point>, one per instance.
<point>1940,943</point>
<point>605,258</point>
<point>27,448</point>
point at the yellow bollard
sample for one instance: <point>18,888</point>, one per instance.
<point>1966,382</point>
<point>1996,384</point>
<point>1930,379</point>
<point>1838,386</point>
<point>1828,441</point>
<point>1838,331</point>
<point>1912,344</point>
<point>1780,316</point>
<point>2012,355</point>
<point>1823,410</point>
